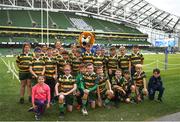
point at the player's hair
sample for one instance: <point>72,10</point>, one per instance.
<point>49,48</point>
<point>42,77</point>
<point>82,65</point>
<point>89,64</point>
<point>67,65</point>
<point>156,70</point>
<point>57,42</point>
<point>26,44</point>
<point>118,69</point>
<point>126,72</point>
<point>122,47</point>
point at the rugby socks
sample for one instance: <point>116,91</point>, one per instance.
<point>61,108</point>
<point>106,101</point>
<point>84,103</point>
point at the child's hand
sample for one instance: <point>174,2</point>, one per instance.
<point>55,77</point>
<point>110,71</point>
<point>145,92</point>
<point>86,91</point>
<point>111,91</point>
<point>48,105</point>
<point>65,94</point>
<point>34,106</point>
<point>78,93</point>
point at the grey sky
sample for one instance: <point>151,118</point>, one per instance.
<point>172,6</point>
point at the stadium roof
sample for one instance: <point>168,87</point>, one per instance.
<point>133,12</point>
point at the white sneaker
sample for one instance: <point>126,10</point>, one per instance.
<point>84,111</point>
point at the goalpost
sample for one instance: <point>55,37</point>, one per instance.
<point>42,22</point>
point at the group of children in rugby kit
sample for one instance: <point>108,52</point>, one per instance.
<point>84,78</point>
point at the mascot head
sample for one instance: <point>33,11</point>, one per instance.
<point>86,38</point>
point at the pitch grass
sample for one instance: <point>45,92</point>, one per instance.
<point>10,109</point>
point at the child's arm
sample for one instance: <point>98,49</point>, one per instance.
<point>33,94</point>
<point>55,77</point>
<point>72,90</point>
<point>95,86</point>
<point>108,85</point>
<point>43,70</point>
<point>130,66</point>
<point>32,72</point>
<point>82,85</point>
<point>145,88</point>
<point>48,96</point>
<point>56,88</point>
<point>98,93</point>
<point>119,88</point>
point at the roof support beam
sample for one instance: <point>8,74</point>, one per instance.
<point>148,16</point>
<point>158,16</point>
<point>142,13</point>
<point>165,17</point>
<point>176,23</point>
<point>138,10</point>
<point>136,4</point>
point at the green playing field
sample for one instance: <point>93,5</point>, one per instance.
<point>10,109</point>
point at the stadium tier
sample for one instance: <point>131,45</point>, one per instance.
<point>26,25</point>
<point>24,18</point>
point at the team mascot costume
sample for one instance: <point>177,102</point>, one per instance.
<point>87,38</point>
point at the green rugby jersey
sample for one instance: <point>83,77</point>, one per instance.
<point>37,65</point>
<point>50,66</point>
<point>138,78</point>
<point>66,83</point>
<point>136,59</point>
<point>79,79</point>
<point>124,62</point>
<point>87,57</point>
<point>23,62</point>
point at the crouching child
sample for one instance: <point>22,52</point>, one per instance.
<point>64,89</point>
<point>140,83</point>
<point>104,91</point>
<point>40,97</point>
<point>155,84</point>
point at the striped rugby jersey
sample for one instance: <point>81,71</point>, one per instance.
<point>112,62</point>
<point>138,78</point>
<point>87,57</point>
<point>124,62</point>
<point>50,66</point>
<point>76,61</point>
<point>90,80</point>
<point>61,62</point>
<point>136,59</point>
<point>98,61</point>
<point>66,83</point>
<point>37,65</point>
<point>23,62</point>
<point>119,81</point>
<point>102,83</point>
